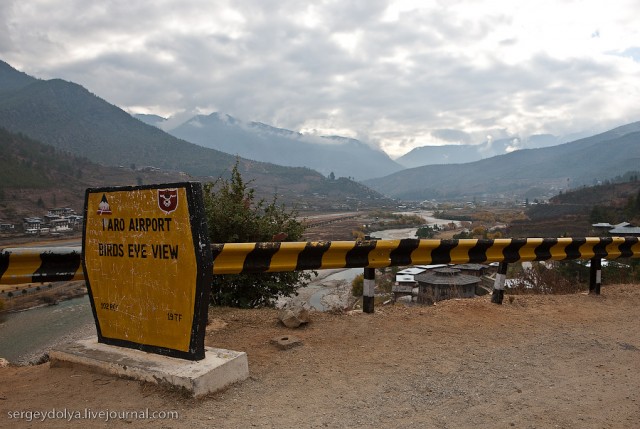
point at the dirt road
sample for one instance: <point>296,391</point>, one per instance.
<point>535,362</point>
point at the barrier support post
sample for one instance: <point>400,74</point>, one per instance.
<point>498,285</point>
<point>368,287</point>
<point>595,276</point>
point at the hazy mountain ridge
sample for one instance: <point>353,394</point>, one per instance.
<point>460,154</point>
<point>554,168</point>
<point>255,140</point>
<point>71,119</point>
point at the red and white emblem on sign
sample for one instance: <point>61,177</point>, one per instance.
<point>168,200</point>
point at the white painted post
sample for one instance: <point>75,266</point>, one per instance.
<point>595,276</point>
<point>368,287</point>
<point>498,285</point>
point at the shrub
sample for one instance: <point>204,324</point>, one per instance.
<point>233,216</point>
<point>357,285</point>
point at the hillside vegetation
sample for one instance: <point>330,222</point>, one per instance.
<point>572,213</point>
<point>35,176</point>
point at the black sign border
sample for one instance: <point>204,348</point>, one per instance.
<point>204,276</point>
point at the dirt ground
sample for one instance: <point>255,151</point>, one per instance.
<point>569,361</point>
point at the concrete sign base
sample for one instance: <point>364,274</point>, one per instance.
<point>217,370</point>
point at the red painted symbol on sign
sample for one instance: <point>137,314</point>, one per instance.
<point>168,200</point>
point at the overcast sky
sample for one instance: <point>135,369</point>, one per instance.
<point>397,74</point>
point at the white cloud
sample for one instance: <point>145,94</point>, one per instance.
<point>390,72</point>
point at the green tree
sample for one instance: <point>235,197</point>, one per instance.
<point>234,216</point>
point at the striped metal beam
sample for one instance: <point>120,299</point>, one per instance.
<point>235,258</point>
<point>30,265</point>
<point>38,265</point>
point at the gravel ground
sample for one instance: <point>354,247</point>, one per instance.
<point>570,361</point>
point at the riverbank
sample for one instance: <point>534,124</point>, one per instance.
<point>40,295</point>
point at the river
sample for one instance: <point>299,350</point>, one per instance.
<point>27,334</point>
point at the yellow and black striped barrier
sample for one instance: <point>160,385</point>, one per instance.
<point>235,258</point>
<point>41,264</point>
<point>30,265</point>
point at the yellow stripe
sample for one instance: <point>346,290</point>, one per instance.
<point>422,255</point>
<point>495,253</point>
<point>460,253</point>
<point>336,255</point>
<point>286,258</point>
<point>381,255</point>
<point>527,252</point>
<point>22,265</point>
<point>586,250</point>
<point>613,249</point>
<point>558,251</point>
<point>231,259</point>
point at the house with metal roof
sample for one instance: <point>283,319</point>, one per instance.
<point>445,283</point>
<point>625,229</point>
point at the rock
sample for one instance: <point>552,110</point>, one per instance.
<point>286,342</point>
<point>294,317</point>
<point>3,363</point>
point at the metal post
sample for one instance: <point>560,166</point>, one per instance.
<point>498,285</point>
<point>368,287</point>
<point>595,276</point>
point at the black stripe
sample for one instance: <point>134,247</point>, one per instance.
<point>543,250</point>
<point>259,259</point>
<point>4,262</point>
<point>573,249</point>
<point>512,251</point>
<point>600,250</point>
<point>358,256</point>
<point>625,248</point>
<point>311,256</point>
<point>478,253</point>
<point>216,250</point>
<point>442,253</point>
<point>57,267</point>
<point>401,255</point>
<point>369,273</point>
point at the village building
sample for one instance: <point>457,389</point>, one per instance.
<point>625,229</point>
<point>405,282</point>
<point>477,270</point>
<point>32,225</point>
<point>7,227</point>
<point>60,211</point>
<point>445,283</point>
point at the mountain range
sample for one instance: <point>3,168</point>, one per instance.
<point>462,153</point>
<point>344,157</point>
<point>545,171</point>
<point>71,119</point>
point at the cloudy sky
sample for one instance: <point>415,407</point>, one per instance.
<point>397,74</point>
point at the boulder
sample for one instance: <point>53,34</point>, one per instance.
<point>294,317</point>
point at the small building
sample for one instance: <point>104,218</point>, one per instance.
<point>60,225</point>
<point>60,211</point>
<point>625,229</point>
<point>404,285</point>
<point>445,283</point>
<point>477,270</point>
<point>7,227</point>
<point>32,225</point>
